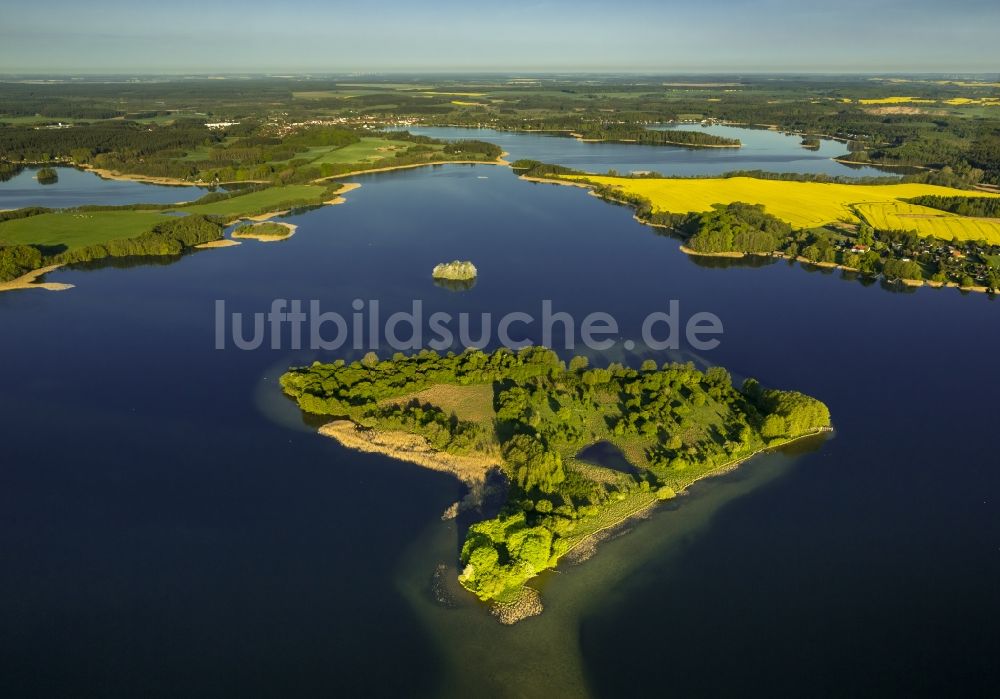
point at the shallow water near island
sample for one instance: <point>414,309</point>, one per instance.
<point>173,527</point>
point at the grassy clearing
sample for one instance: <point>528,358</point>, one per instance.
<point>472,403</point>
<point>611,515</point>
<point>897,215</point>
<point>204,152</point>
<point>802,204</point>
<point>76,229</point>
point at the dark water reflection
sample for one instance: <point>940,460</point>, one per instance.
<point>78,187</point>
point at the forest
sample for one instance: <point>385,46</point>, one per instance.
<point>618,133</point>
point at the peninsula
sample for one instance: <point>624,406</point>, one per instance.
<point>912,232</point>
<point>528,417</point>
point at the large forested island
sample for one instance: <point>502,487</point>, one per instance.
<point>531,418</point>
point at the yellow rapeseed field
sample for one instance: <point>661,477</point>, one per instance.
<point>802,204</point>
<point>900,216</point>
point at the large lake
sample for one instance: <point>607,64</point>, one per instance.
<point>171,527</point>
<point>762,149</point>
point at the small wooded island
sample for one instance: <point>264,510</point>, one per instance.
<point>266,231</point>
<point>455,271</point>
<point>47,175</point>
<point>528,415</point>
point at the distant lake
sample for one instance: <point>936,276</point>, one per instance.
<point>173,527</point>
<point>77,187</point>
<point>762,149</point>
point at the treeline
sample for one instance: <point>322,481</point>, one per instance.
<point>476,149</point>
<point>18,260</point>
<point>535,168</point>
<point>623,133</point>
<point>171,237</point>
<point>129,141</point>
<point>983,207</point>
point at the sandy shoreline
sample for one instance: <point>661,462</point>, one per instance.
<point>845,161</point>
<point>223,243</point>
<point>563,183</point>
<point>415,449</point>
<point>688,251</point>
<point>29,281</point>
<point>260,218</point>
<point>339,198</point>
<point>147,179</point>
<point>153,179</point>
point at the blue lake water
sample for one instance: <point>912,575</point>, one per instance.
<point>76,187</point>
<point>762,149</point>
<point>171,527</point>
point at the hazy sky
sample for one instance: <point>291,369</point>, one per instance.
<point>81,36</point>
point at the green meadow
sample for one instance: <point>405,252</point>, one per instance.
<point>262,201</point>
<point>76,229</point>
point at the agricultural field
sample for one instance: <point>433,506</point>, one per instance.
<point>900,216</point>
<point>802,204</point>
<point>76,229</point>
